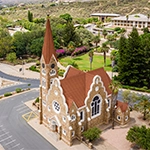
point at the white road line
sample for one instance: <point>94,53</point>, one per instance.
<point>18,105</point>
<point>15,145</point>
<point>27,109</point>
<point>3,129</point>
<point>22,149</point>
<point>4,134</point>
<point>10,142</point>
<point>21,108</point>
<point>6,138</point>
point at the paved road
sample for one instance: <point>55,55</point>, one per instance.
<point>15,133</point>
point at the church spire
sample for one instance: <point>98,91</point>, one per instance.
<point>48,47</point>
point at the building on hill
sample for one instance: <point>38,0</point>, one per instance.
<point>136,20</point>
<point>103,16</point>
<point>77,102</point>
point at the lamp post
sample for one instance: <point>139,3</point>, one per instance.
<point>23,67</point>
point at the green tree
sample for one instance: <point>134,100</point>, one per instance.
<point>91,58</point>
<point>139,136</point>
<point>129,98</point>
<point>11,57</point>
<point>104,49</point>
<point>104,32</point>
<point>92,133</point>
<point>143,106</point>
<point>96,40</point>
<point>30,16</point>
<point>66,17</point>
<point>114,86</point>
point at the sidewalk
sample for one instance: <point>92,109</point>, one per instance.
<point>14,70</point>
<point>59,144</point>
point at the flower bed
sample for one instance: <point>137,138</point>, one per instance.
<point>79,50</point>
<point>60,52</point>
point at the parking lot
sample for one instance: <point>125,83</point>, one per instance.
<point>8,141</point>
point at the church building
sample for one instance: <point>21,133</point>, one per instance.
<point>71,105</point>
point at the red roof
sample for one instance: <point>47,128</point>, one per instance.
<point>48,47</point>
<point>123,106</point>
<point>77,83</point>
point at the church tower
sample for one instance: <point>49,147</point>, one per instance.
<point>48,66</point>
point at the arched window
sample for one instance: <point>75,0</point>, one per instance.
<point>95,106</point>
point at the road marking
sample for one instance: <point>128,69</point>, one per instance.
<point>27,109</point>
<point>15,145</point>
<point>22,149</point>
<point>1,126</point>
<point>3,130</point>
<point>10,142</point>
<point>6,138</point>
<point>30,115</point>
<point>18,105</point>
<point>21,108</point>
<point>4,134</point>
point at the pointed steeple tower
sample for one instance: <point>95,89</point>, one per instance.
<point>48,47</point>
<point>48,66</point>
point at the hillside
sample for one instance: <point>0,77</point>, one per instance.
<point>79,9</point>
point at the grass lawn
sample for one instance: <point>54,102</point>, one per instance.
<point>84,64</point>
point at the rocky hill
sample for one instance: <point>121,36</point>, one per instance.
<point>78,9</point>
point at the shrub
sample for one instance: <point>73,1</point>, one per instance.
<point>7,94</point>
<point>61,72</point>
<point>92,133</point>
<point>60,52</point>
<point>79,50</point>
<point>37,100</point>
<point>33,68</point>
<point>18,90</point>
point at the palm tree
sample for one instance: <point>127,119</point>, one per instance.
<point>104,49</point>
<point>104,32</point>
<point>91,58</point>
<point>96,40</point>
<point>114,86</point>
<point>143,106</point>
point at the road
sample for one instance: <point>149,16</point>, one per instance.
<point>15,133</point>
<point>24,83</point>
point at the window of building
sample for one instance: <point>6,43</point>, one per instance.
<point>82,116</point>
<point>126,118</point>
<point>108,100</point>
<point>48,108</point>
<point>56,106</point>
<point>52,72</point>
<point>95,106</point>
<point>73,133</point>
<point>51,81</point>
<point>44,103</point>
<point>118,118</point>
<point>73,117</point>
<point>64,119</point>
<point>64,132</point>
<point>82,128</point>
<point>44,116</point>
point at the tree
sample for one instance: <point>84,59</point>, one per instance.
<point>11,57</point>
<point>30,16</point>
<point>92,133</point>
<point>114,86</point>
<point>129,98</point>
<point>91,58</point>
<point>131,60</point>
<point>139,136</point>
<point>143,106</point>
<point>104,32</point>
<point>104,49</point>
<point>66,17</point>
<point>96,40</point>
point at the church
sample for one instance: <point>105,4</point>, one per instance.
<point>71,105</point>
